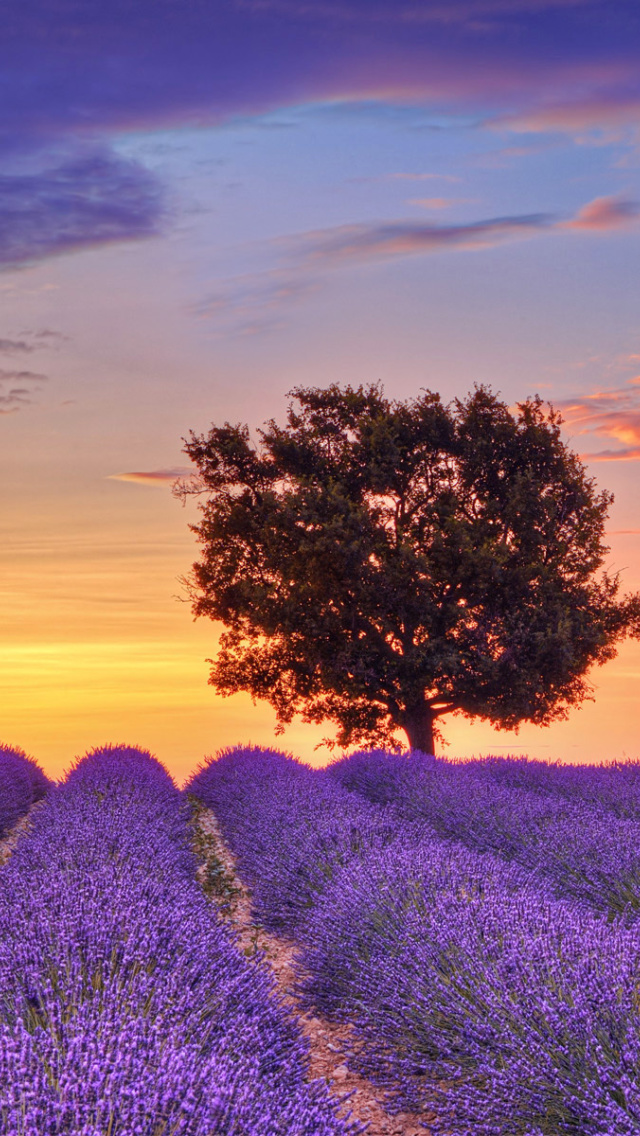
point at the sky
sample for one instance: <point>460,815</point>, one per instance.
<point>205,204</point>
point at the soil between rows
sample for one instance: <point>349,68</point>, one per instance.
<point>328,1041</point>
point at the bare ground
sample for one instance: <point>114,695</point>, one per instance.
<point>328,1042</point>
<point>8,842</point>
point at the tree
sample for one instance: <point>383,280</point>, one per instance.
<point>380,564</point>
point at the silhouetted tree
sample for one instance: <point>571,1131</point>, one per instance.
<point>380,563</point>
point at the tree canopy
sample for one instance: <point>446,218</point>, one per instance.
<point>379,563</point>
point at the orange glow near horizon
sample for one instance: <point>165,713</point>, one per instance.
<point>66,698</point>
<point>84,664</point>
<point>99,647</point>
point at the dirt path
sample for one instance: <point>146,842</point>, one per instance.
<point>328,1041</point>
<point>8,842</point>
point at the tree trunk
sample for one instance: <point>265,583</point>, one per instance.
<point>417,723</point>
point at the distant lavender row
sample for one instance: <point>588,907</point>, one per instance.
<point>614,786</point>
<point>22,783</point>
<point>583,850</point>
<point>292,829</point>
<point>126,1008</point>
<point>454,970</point>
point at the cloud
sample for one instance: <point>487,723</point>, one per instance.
<point>605,111</point>
<point>390,239</point>
<point>250,304</point>
<point>156,477</point>
<point>75,73</point>
<point>32,341</point>
<point>21,377</point>
<point>83,68</point>
<point>435,202</point>
<point>387,239</point>
<point>92,199</point>
<point>15,346</point>
<point>420,177</point>
<point>406,177</point>
<point>503,158</point>
<point>45,335</point>
<point>13,394</point>
<point>613,414</point>
<point>605,213</point>
<point>453,11</point>
<point>613,455</point>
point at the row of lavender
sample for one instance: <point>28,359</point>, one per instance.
<point>471,988</point>
<point>570,839</point>
<point>614,786</point>
<point>125,1006</point>
<point>22,783</point>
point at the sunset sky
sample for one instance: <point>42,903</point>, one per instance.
<point>206,202</point>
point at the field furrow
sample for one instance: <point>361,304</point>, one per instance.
<point>329,1042</point>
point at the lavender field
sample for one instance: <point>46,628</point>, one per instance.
<point>125,1006</point>
<point>476,926</point>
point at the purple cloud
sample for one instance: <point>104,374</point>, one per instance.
<point>73,73</point>
<point>13,394</point>
<point>83,67</point>
<point>94,199</point>
<point>599,110</point>
<point>251,304</point>
<point>403,238</point>
<point>475,12</point>
<point>248,305</point>
<point>15,346</point>
<point>604,214</point>
<point>332,247</point>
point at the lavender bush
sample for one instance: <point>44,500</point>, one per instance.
<point>22,783</point>
<point>125,1006</point>
<point>583,850</point>
<point>507,1011</point>
<point>292,829</point>
<point>614,786</point>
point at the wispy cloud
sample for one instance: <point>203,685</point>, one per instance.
<point>605,111</point>
<point>604,214</point>
<point>78,73</point>
<point>45,336</point>
<point>15,346</point>
<point>250,304</point>
<point>630,454</point>
<point>389,239</point>
<point>400,176</point>
<point>613,414</point>
<point>420,177</point>
<point>92,199</point>
<point>253,303</point>
<point>453,11</point>
<point>386,239</point>
<point>154,477</point>
<point>14,394</point>
<point>436,202</point>
<point>31,341</point>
